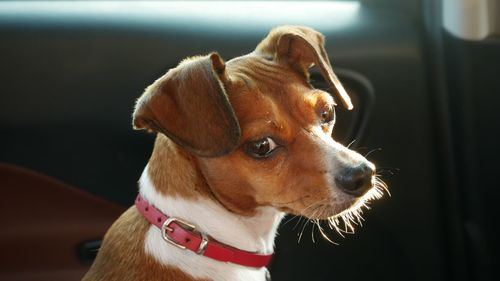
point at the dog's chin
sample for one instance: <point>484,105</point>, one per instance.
<point>344,211</point>
<point>339,205</point>
<point>334,207</point>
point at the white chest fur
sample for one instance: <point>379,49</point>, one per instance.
<point>254,234</point>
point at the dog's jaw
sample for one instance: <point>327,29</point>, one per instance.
<point>254,234</point>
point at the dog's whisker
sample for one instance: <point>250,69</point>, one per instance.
<point>314,223</point>
<point>303,211</point>
<point>303,215</point>
<point>385,171</point>
<point>293,201</point>
<point>371,151</point>
<point>351,143</point>
<point>348,227</point>
<point>358,214</point>
<point>312,231</point>
<point>333,223</point>
<point>381,186</point>
<point>298,222</point>
<point>346,223</point>
<point>321,230</point>
<point>290,219</point>
<point>302,232</point>
<point>392,169</point>
<point>313,209</point>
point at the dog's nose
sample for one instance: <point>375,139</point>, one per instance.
<point>356,180</point>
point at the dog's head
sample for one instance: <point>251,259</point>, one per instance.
<point>260,133</point>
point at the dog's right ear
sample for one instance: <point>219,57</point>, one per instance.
<point>302,47</point>
<point>190,106</point>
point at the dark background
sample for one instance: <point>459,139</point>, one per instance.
<point>426,101</point>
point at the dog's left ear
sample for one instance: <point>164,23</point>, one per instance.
<point>190,106</point>
<point>302,47</point>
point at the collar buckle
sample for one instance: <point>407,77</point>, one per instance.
<point>165,228</point>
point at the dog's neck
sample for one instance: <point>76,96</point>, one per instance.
<point>253,234</point>
<point>182,196</point>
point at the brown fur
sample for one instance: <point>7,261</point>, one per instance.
<point>284,108</point>
<point>164,169</point>
<point>210,110</point>
<point>191,96</point>
<point>301,47</point>
<point>280,109</point>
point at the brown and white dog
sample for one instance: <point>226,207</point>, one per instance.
<point>239,144</point>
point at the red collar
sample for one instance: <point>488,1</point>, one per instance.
<point>183,235</point>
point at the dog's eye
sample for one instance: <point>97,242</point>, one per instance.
<point>327,115</point>
<point>261,148</point>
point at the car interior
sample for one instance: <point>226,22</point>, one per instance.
<point>423,76</point>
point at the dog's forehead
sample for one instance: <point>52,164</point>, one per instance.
<point>261,81</point>
<point>263,71</point>
<point>264,91</point>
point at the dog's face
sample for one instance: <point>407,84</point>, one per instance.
<point>286,156</point>
<point>262,135</point>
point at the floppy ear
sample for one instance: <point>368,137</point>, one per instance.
<point>190,106</point>
<point>302,47</point>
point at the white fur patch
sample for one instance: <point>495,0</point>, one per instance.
<point>334,157</point>
<point>334,154</point>
<point>254,234</point>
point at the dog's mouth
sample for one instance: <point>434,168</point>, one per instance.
<point>343,217</point>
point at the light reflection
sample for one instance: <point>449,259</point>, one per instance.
<point>242,15</point>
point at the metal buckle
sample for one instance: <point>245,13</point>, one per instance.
<point>203,244</point>
<point>165,227</point>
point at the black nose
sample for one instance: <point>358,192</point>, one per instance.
<point>356,180</point>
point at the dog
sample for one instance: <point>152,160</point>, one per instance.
<point>239,144</point>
